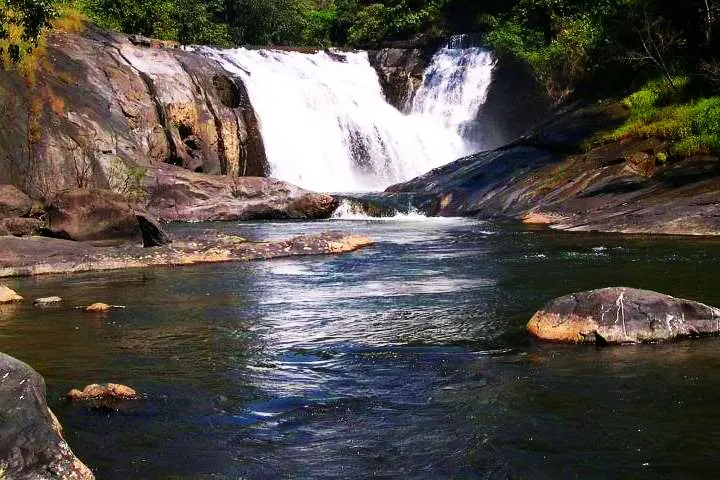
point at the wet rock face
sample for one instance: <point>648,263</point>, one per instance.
<point>31,445</point>
<point>623,315</point>
<point>179,195</point>
<point>400,71</point>
<point>102,101</point>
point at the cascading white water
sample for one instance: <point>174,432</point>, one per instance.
<point>455,86</point>
<point>327,127</point>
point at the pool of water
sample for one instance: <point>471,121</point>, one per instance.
<point>408,359</point>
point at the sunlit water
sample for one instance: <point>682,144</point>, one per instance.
<point>408,359</point>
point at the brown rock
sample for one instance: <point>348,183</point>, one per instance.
<point>622,315</point>
<point>21,227</point>
<point>92,215</point>
<point>8,295</point>
<point>13,202</point>
<point>349,243</point>
<point>98,307</point>
<point>176,194</point>
<point>101,215</point>
<point>113,391</point>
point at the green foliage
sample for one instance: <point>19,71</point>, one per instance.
<point>379,22</point>
<point>22,24</point>
<point>318,27</point>
<point>128,179</point>
<point>690,126</point>
<point>562,40</point>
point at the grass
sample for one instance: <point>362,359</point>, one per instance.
<point>689,126</point>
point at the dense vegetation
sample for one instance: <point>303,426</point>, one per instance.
<point>610,44</point>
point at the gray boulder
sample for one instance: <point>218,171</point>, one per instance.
<point>620,315</point>
<point>31,442</point>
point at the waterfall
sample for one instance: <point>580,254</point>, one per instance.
<point>327,127</point>
<point>455,86</point>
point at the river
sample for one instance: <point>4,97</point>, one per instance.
<point>408,359</point>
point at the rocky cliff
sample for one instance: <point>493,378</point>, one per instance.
<point>104,104</point>
<point>550,177</point>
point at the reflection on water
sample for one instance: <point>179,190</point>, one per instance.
<point>404,360</point>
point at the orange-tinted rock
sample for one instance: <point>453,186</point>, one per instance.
<point>8,295</point>
<point>622,315</point>
<point>113,391</point>
<point>349,243</point>
<point>98,307</point>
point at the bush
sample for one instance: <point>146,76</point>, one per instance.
<point>22,25</point>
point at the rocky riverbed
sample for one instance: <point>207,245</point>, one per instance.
<point>39,255</point>
<point>549,177</point>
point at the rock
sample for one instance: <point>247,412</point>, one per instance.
<point>8,295</point>
<point>400,71</point>
<point>42,255</point>
<point>13,202</point>
<point>98,307</point>
<point>45,301</point>
<point>83,215</point>
<point>349,243</point>
<point>176,194</point>
<point>105,100</point>
<point>620,315</point>
<point>101,215</point>
<point>21,227</point>
<point>107,391</point>
<point>31,445</point>
<point>152,232</point>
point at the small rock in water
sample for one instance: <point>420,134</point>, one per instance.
<point>8,295</point>
<point>101,307</point>
<point>45,301</point>
<point>111,391</point>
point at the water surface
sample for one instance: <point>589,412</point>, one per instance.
<point>408,359</point>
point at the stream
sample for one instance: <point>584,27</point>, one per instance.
<point>408,359</point>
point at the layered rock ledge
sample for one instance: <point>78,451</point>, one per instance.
<point>621,315</point>
<point>548,177</point>
<point>39,255</point>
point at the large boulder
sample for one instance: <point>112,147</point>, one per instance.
<point>31,443</point>
<point>100,215</point>
<point>620,315</point>
<point>13,202</point>
<point>176,194</point>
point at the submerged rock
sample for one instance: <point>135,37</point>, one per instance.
<point>31,442</point>
<point>106,391</point>
<point>620,315</point>
<point>45,301</point>
<point>8,295</point>
<point>100,307</point>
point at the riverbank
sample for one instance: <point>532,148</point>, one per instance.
<point>39,255</point>
<point>555,177</point>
